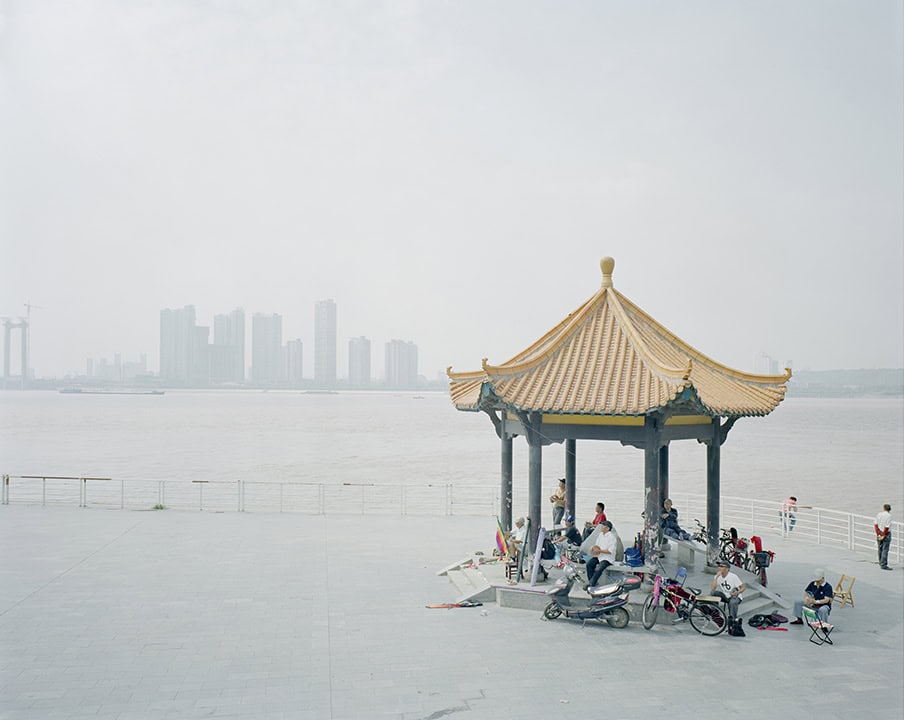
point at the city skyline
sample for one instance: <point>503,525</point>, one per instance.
<point>186,358</point>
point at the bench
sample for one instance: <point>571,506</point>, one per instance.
<point>620,567</point>
<point>685,550</point>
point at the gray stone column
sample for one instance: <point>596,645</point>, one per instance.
<point>570,476</point>
<point>534,488</point>
<point>651,488</point>
<point>505,489</point>
<point>713,490</point>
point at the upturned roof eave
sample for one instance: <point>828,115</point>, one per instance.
<point>573,368</point>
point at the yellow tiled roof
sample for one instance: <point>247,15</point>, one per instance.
<point>609,357</point>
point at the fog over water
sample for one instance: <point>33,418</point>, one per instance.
<point>838,454</point>
<point>450,173</point>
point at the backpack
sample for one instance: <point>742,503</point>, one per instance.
<point>736,628</point>
<point>549,550</point>
<point>777,619</point>
<point>633,558</point>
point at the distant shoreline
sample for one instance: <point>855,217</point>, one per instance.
<point>873,383</point>
<point>847,383</point>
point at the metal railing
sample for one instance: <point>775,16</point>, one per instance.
<point>821,526</point>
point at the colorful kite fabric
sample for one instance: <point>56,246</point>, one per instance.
<point>500,540</point>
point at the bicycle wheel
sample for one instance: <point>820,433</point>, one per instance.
<point>650,611</point>
<point>762,573</point>
<point>618,618</point>
<point>708,619</point>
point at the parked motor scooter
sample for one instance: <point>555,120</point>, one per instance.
<point>606,602</point>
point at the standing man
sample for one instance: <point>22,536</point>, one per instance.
<point>789,519</point>
<point>603,554</point>
<point>883,535</point>
<point>729,586</point>
<point>558,503</point>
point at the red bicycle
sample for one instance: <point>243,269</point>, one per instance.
<point>704,612</point>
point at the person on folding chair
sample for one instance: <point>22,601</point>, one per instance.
<point>817,595</point>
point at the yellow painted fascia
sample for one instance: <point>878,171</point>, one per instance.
<point>618,420</point>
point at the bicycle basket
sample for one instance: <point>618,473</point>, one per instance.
<point>762,559</point>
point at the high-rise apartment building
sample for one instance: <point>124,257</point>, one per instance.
<point>325,344</point>
<point>266,349</point>
<point>295,362</point>
<point>359,362</point>
<point>227,354</point>
<point>178,345</point>
<point>401,365</point>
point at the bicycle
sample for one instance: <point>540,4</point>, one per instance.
<point>705,613</point>
<point>699,535</point>
<point>734,549</point>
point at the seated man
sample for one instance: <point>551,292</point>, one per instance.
<point>670,522</point>
<point>597,519</point>
<point>818,595</point>
<point>570,533</point>
<point>602,554</point>
<point>516,536</point>
<point>729,587</point>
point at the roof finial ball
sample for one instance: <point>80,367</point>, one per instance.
<point>607,265</point>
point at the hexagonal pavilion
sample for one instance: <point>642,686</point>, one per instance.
<point>609,371</point>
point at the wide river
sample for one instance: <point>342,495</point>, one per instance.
<point>844,454</point>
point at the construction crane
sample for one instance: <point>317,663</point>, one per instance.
<point>26,359</point>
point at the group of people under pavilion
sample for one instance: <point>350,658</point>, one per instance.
<point>609,371</point>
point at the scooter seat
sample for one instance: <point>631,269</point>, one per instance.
<point>604,589</point>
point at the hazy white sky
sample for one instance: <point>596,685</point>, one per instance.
<point>452,172</point>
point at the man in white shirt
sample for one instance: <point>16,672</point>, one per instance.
<point>602,554</point>
<point>883,535</point>
<point>518,535</point>
<point>729,586</point>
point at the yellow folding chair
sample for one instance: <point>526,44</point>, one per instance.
<point>843,588</point>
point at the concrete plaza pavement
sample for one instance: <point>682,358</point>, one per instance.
<point>162,614</point>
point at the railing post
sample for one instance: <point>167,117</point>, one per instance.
<point>6,490</point>
<point>321,499</point>
<point>818,527</point>
<point>281,497</point>
<point>448,498</point>
<point>403,499</point>
<point>122,493</point>
<point>850,531</point>
<point>44,493</point>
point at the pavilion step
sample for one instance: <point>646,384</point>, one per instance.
<point>470,584</point>
<point>454,566</point>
